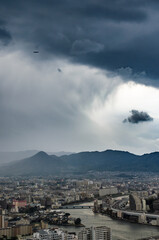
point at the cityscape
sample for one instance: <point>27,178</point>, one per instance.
<point>79,120</point>
<point>50,207</point>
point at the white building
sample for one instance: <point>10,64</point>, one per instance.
<point>95,233</point>
<point>56,234</point>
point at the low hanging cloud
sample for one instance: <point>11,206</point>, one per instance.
<point>137,117</point>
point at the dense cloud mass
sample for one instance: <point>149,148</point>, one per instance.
<point>112,35</point>
<point>137,117</point>
<point>70,71</point>
<point>5,36</point>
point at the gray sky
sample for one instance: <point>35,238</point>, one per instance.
<point>93,84</point>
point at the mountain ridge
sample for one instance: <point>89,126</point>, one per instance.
<point>39,164</point>
<point>108,160</point>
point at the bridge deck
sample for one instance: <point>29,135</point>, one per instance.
<point>75,207</point>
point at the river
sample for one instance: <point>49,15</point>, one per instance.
<point>120,230</point>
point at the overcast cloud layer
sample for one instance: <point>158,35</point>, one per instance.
<point>118,35</point>
<point>95,62</point>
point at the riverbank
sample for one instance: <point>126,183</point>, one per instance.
<point>69,225</point>
<point>121,230</point>
<point>132,217</point>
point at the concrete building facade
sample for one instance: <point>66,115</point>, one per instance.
<point>95,233</point>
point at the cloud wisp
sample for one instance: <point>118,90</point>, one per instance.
<point>137,117</point>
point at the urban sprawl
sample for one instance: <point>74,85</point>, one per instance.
<point>38,207</point>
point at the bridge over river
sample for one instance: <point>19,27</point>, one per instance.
<point>76,207</point>
<point>131,213</point>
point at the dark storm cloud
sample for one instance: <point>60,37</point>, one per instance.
<point>137,117</point>
<point>5,36</point>
<point>86,46</point>
<point>108,11</point>
<point>112,34</point>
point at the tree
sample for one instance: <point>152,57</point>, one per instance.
<point>77,221</point>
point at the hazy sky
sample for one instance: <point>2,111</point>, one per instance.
<point>94,83</point>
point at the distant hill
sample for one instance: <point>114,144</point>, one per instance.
<point>109,160</point>
<point>39,164</point>
<point>59,154</point>
<point>113,160</point>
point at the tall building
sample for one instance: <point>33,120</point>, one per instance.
<point>12,232</point>
<point>1,221</point>
<point>96,206</point>
<point>156,205</point>
<point>95,233</point>
<point>135,202</point>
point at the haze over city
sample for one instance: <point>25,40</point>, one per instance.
<point>79,77</point>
